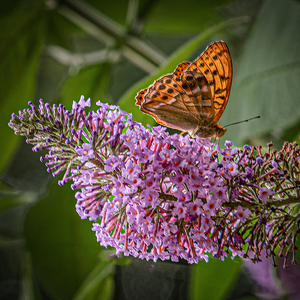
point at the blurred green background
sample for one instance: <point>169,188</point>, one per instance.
<point>109,50</point>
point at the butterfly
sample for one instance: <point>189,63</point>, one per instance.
<point>192,99</point>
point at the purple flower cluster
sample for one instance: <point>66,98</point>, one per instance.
<point>159,196</point>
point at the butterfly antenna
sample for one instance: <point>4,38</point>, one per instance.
<point>257,117</point>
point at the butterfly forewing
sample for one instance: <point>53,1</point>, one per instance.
<point>194,97</point>
<point>215,65</point>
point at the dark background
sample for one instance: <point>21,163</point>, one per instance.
<point>109,50</point>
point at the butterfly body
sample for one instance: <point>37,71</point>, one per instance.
<point>194,96</point>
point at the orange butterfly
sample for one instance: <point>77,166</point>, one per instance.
<point>193,98</point>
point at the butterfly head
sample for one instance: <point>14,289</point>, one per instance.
<point>220,131</point>
<point>216,131</point>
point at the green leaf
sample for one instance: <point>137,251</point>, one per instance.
<point>292,133</point>
<point>249,298</point>
<point>179,56</point>
<point>116,12</point>
<point>60,30</point>
<point>21,37</point>
<point>63,247</point>
<point>99,284</point>
<point>267,79</point>
<point>177,16</point>
<point>214,279</point>
<point>91,81</point>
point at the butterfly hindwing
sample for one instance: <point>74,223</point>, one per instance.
<point>167,115</point>
<point>164,101</point>
<point>140,97</point>
<point>199,95</point>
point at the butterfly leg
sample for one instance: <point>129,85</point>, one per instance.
<point>192,134</point>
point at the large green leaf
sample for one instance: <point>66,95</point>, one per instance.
<point>251,297</point>
<point>292,133</point>
<point>214,279</point>
<point>99,284</point>
<point>63,247</point>
<point>91,81</point>
<point>116,10</point>
<point>163,15</point>
<point>179,16</point>
<point>267,79</point>
<point>21,35</point>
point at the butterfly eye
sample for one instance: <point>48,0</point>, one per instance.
<point>220,131</point>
